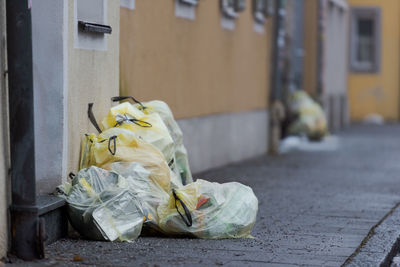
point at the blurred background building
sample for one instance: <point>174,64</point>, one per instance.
<point>374,59</point>
<point>225,67</point>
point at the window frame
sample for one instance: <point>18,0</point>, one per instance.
<point>261,14</point>
<point>373,13</point>
<point>232,8</point>
<point>190,2</point>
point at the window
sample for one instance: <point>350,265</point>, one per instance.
<point>186,9</point>
<point>263,9</point>
<point>365,40</point>
<point>189,2</point>
<point>231,8</point>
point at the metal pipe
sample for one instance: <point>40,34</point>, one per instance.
<point>275,72</point>
<point>320,50</point>
<point>26,229</point>
<point>275,98</point>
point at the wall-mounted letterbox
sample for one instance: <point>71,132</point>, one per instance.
<point>90,17</point>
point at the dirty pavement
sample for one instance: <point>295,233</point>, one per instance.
<point>316,208</point>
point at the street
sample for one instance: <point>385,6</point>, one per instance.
<point>315,209</point>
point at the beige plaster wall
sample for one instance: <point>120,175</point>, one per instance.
<point>4,158</point>
<point>93,76</point>
<point>196,66</point>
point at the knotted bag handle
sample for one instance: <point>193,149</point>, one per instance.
<point>71,175</point>
<point>112,138</point>
<point>120,98</point>
<point>188,219</point>
<point>92,118</point>
<point>125,118</point>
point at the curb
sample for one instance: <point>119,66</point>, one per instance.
<point>381,244</point>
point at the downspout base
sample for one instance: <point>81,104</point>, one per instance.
<point>27,233</point>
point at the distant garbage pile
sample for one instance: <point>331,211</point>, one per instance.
<point>309,118</point>
<point>135,177</point>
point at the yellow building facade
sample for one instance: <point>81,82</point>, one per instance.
<point>212,70</point>
<point>195,65</point>
<point>375,30</point>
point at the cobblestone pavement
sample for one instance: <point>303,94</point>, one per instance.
<point>315,208</point>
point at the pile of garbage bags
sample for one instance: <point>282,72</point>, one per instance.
<point>309,118</point>
<point>135,177</point>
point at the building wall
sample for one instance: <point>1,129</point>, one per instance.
<point>49,42</point>
<point>379,92</point>
<point>4,152</point>
<point>330,65</point>
<point>196,66</point>
<point>93,76</point>
<point>335,60</point>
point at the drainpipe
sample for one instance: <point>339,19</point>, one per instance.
<point>275,73</point>
<point>26,230</point>
<point>320,51</point>
<point>277,110</point>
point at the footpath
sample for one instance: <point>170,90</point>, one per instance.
<point>320,208</point>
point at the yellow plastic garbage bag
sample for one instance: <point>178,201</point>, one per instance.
<point>100,209</point>
<point>123,145</point>
<point>209,210</point>
<point>149,127</point>
<point>181,167</point>
<point>310,118</point>
<point>181,157</point>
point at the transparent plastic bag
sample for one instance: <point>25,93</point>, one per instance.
<point>100,209</point>
<point>147,191</point>
<point>209,210</point>
<point>115,205</point>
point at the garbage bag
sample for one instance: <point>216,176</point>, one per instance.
<point>123,145</point>
<point>150,127</point>
<point>181,157</point>
<point>209,210</point>
<point>100,208</point>
<point>150,194</point>
<point>310,118</point>
<point>117,204</point>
